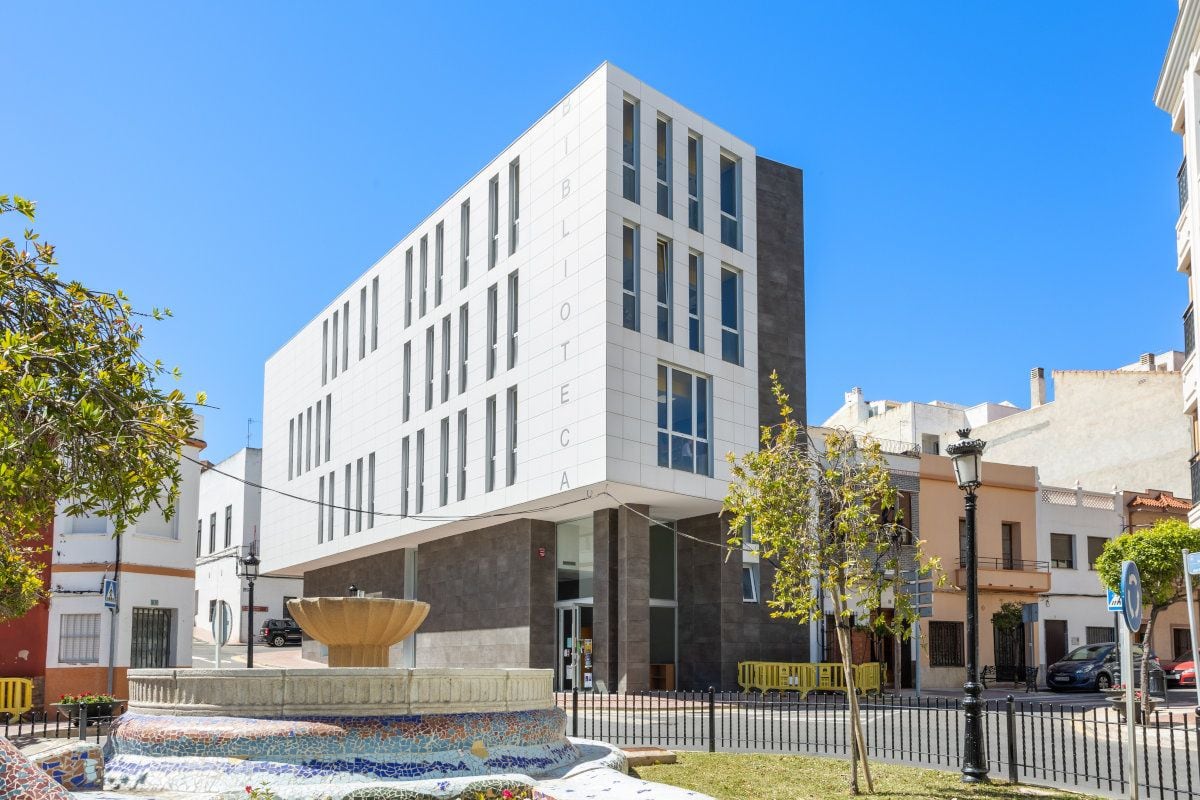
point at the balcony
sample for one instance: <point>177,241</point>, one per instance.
<point>1189,332</point>
<point>1182,180</point>
<point>1008,575</point>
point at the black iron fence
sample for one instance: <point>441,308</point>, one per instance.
<point>1059,745</point>
<point>57,725</point>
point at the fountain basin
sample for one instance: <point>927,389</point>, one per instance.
<point>358,630</point>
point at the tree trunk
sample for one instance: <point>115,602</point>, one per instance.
<point>1145,667</point>
<point>858,749</point>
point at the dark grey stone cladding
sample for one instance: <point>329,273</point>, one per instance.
<point>780,203</point>
<point>382,573</point>
<point>717,629</point>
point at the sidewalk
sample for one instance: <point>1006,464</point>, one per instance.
<point>233,655</point>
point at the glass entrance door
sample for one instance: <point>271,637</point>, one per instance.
<point>574,647</point>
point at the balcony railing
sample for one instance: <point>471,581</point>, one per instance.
<point>892,446</point>
<point>987,562</point>
<point>1196,479</point>
<point>1007,575</point>
<point>1183,186</point>
<point>1189,332</point>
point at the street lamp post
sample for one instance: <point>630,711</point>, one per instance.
<point>250,572</point>
<point>966,455</point>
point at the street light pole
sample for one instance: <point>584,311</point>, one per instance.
<point>967,455</point>
<point>250,572</point>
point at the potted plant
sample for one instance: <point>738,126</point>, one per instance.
<point>1116,697</point>
<point>98,705</point>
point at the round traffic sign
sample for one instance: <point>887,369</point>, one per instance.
<point>1131,595</point>
<point>222,622</point>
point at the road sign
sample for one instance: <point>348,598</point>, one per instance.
<point>1193,563</point>
<point>1029,612</point>
<point>1131,595</point>
<point>925,611</point>
<point>222,621</point>
<point>110,592</point>
<point>1114,601</point>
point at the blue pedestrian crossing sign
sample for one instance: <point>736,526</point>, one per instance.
<point>110,592</point>
<point>1114,601</point>
<point>1131,595</point>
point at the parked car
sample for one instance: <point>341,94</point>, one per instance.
<point>1183,673</point>
<point>1093,666</point>
<point>278,632</point>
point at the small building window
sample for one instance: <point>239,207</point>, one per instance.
<point>79,639</point>
<point>493,220</point>
<point>429,348</point>
<point>946,644</point>
<point>406,370</point>
<point>513,321</point>
<point>462,454</point>
<point>514,205</point>
<point>463,347</point>
<point>445,358</point>
<point>629,277</point>
<point>493,302</point>
<point>510,473</point>
<point>228,525</point>
<point>370,493</point>
<point>489,457</point>
<point>362,323</point>
<point>662,147</point>
<point>408,286</point>
<point>404,472</point>
<point>695,219</point>
<point>374,313</point>
<point>464,244</point>
<point>358,495</point>
<point>663,289</point>
<point>695,302</point>
<point>439,247</point>
<point>629,149</point>
<point>444,463</point>
<point>731,315</point>
<point>212,532</point>
<point>731,201</point>
<point>419,497</point>
<point>1095,546</point>
<point>320,509</point>
<point>324,352</point>
<point>334,349</point>
<point>423,250</point>
<point>1062,551</point>
<point>332,503</point>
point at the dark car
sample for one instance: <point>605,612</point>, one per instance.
<point>1092,666</point>
<point>278,632</point>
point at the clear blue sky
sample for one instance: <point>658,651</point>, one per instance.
<point>1001,163</point>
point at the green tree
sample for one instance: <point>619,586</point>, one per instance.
<point>83,420</point>
<point>1158,553</point>
<point>815,511</point>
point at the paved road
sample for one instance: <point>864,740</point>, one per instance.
<point>234,656</point>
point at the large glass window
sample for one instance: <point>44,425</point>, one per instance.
<point>629,150</point>
<point>662,147</point>
<point>731,315</point>
<point>683,421</point>
<point>663,289</point>
<point>731,201</point>
<point>694,191</point>
<point>695,300</point>
<point>629,277</point>
<point>573,550</point>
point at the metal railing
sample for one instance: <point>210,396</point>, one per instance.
<point>1181,179</point>
<point>1195,468</point>
<point>1025,742</point>
<point>891,446</point>
<point>1189,331</point>
<point>57,725</point>
<point>1014,564</point>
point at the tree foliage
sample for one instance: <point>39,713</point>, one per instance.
<point>84,423</point>
<point>1158,553</point>
<point>815,507</point>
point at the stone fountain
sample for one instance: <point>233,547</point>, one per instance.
<point>358,730</point>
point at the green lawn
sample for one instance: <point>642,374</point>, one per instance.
<point>736,776</point>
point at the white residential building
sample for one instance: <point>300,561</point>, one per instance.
<point>514,412</point>
<point>154,567</point>
<point>227,525</point>
<point>1178,94</point>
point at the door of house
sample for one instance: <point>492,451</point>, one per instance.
<point>1056,640</point>
<point>574,662</point>
<point>1010,653</point>
<point>150,643</point>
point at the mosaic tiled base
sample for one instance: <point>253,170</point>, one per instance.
<point>21,780</point>
<point>76,765</point>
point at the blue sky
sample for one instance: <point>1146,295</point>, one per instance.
<point>998,163</point>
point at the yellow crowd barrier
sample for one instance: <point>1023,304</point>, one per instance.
<point>16,696</point>
<point>804,678</point>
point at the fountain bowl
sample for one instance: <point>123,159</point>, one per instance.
<point>358,630</point>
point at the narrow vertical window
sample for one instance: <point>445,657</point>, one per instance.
<point>317,449</point>
<point>335,344</point>
<point>291,448</point>
<point>464,244</point>
<point>492,310</point>
<point>423,280</point>
<point>299,444</point>
<point>462,454</point>
<point>514,205</point>
<point>212,532</point>
<point>358,495</point>
<point>444,463</point>
<point>731,201</point>
<point>332,503</point>
<point>404,477</point>
<point>493,220</point>
<point>408,286</point>
<point>324,352</point>
<point>510,468</point>
<point>320,509</point>
<point>663,289</point>
<point>629,150</point>
<point>419,498</point>
<point>695,154</point>
<point>662,148</point>
<point>439,248</point>
<point>328,425</point>
<point>463,344</point>
<point>374,313</point>
<point>228,525</point>
<point>406,369</point>
<point>629,278</point>
<point>362,323</point>
<point>308,440</point>
<point>346,336</point>
<point>513,322</point>
<point>346,504</point>
<point>370,490</point>
<point>731,315</point>
<point>445,358</point>
<point>695,298</point>
<point>429,348</point>
<point>489,455</point>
